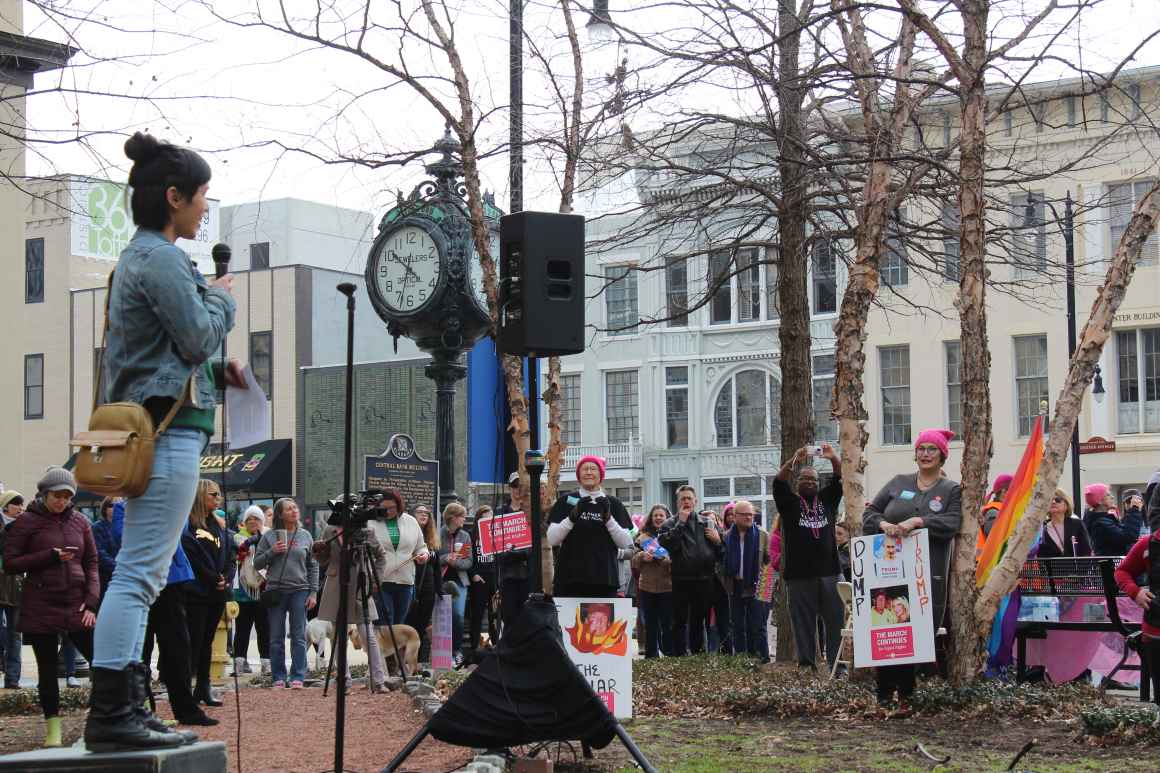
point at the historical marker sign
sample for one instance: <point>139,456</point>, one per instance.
<point>401,467</point>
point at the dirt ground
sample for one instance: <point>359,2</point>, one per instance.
<point>711,746</point>
<point>290,731</point>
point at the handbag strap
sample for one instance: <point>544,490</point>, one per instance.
<point>186,391</point>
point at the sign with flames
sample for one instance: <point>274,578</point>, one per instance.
<point>597,635</point>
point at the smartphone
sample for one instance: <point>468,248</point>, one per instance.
<point>71,549</point>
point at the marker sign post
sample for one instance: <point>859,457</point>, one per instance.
<point>401,467</point>
<point>893,605</point>
<point>504,533</point>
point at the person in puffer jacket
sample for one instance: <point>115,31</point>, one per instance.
<point>695,545</point>
<point>251,615</point>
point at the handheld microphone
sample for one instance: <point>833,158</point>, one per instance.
<point>221,259</point>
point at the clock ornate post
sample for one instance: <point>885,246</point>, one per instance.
<point>425,281</point>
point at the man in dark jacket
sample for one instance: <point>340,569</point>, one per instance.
<point>695,546</point>
<point>11,506</point>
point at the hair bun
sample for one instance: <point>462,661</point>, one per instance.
<point>142,148</point>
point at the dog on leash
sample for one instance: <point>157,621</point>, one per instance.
<point>405,636</point>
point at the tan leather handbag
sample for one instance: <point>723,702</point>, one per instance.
<point>115,456</point>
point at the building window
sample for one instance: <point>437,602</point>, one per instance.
<point>1134,98</point>
<point>950,224</point>
<point>621,406</point>
<point>737,274</point>
<point>1122,197</point>
<point>570,421</point>
<point>894,362</point>
<point>1072,110</point>
<point>825,428</point>
<point>747,411</point>
<point>620,300</point>
<point>260,256</point>
<point>772,304</point>
<point>1039,115</point>
<point>34,270</point>
<point>262,360</point>
<point>954,356</point>
<point>677,291</point>
<point>825,276</point>
<point>99,375</point>
<point>946,129</point>
<point>677,406</point>
<point>758,489</point>
<point>1132,417</point>
<point>893,267</point>
<point>34,386</point>
<point>1030,380</point>
<point>1028,234</point>
<point>1008,122</point>
<point>1105,107</point>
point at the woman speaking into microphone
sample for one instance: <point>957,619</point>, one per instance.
<point>165,323</point>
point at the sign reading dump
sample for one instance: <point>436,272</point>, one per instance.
<point>893,606</point>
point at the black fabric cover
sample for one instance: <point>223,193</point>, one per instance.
<point>528,690</point>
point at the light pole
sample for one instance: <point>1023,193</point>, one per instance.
<point>1067,227</point>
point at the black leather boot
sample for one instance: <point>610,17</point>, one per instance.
<point>206,695</point>
<point>140,688</point>
<point>112,724</point>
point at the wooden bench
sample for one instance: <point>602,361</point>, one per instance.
<point>1074,578</point>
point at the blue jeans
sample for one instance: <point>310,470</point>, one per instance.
<point>293,604</point>
<point>458,607</point>
<point>10,644</point>
<point>748,628</point>
<point>393,601</point>
<point>153,525</point>
<point>657,611</point>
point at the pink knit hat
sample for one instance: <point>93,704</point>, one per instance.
<point>597,460</point>
<point>939,438</point>
<point>1001,482</point>
<point>1094,493</point>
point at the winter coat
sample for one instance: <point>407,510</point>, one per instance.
<point>54,590</point>
<point>108,542</point>
<point>210,550</point>
<point>656,576</point>
<point>694,556</point>
<point>328,553</point>
<point>396,567</point>
<point>1110,535</point>
<point>10,584</point>
<point>1075,540</point>
<point>455,568</point>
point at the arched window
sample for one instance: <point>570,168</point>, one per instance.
<point>747,412</point>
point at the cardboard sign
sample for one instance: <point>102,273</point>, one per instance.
<point>597,635</point>
<point>441,635</point>
<point>504,533</point>
<point>893,603</point>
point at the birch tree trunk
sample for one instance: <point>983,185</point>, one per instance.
<point>1091,343</point>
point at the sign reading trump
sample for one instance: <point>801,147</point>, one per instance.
<point>893,609</point>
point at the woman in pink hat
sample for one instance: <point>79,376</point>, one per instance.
<point>588,527</point>
<point>924,499</point>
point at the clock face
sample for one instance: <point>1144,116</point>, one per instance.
<point>407,269</point>
<point>475,274</point>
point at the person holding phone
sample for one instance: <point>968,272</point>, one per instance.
<point>52,544</point>
<point>1113,532</point>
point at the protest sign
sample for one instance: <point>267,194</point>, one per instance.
<point>504,533</point>
<point>441,649</point>
<point>596,637</point>
<point>893,607</point>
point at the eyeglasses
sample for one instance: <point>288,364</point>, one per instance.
<point>926,450</point>
<point>1058,500</point>
<point>215,493</point>
<point>62,494</point>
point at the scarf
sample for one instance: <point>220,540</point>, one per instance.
<point>594,494</point>
<point>733,564</point>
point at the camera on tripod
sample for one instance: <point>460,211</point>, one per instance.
<point>354,511</point>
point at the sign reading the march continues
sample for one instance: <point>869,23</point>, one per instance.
<point>893,600</point>
<point>441,635</point>
<point>596,637</point>
<point>401,467</point>
<point>504,533</point>
<point>102,226</point>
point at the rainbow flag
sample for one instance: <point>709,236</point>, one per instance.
<point>1014,505</point>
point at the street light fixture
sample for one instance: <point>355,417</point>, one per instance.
<point>1098,391</point>
<point>599,24</point>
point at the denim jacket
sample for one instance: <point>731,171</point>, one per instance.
<point>164,322</point>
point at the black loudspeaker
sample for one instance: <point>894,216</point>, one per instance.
<point>541,292</point>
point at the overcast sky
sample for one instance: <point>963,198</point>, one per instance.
<point>172,68</point>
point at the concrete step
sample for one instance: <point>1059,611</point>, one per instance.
<point>201,757</point>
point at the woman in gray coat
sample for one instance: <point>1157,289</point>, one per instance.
<point>921,500</point>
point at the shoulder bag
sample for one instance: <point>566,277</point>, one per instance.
<point>115,456</point>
